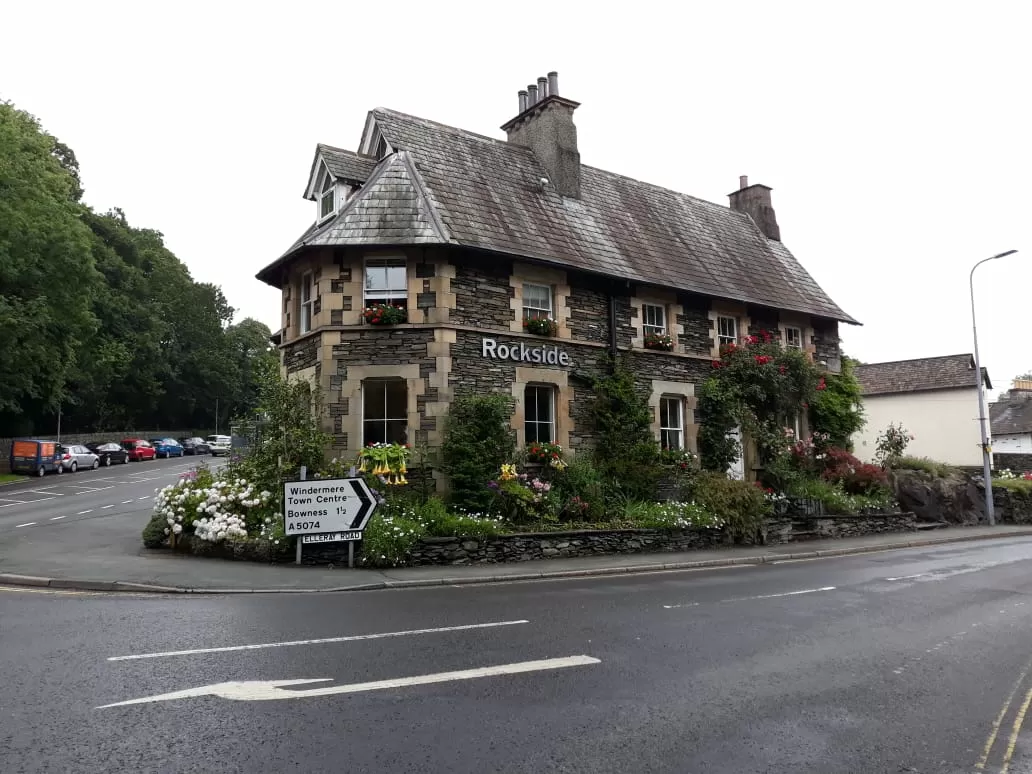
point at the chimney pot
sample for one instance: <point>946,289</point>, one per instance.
<point>553,84</point>
<point>542,87</point>
<point>532,98</point>
<point>523,100</point>
<point>743,181</point>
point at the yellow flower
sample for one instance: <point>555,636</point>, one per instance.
<point>508,472</point>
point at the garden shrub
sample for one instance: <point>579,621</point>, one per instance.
<point>837,410</point>
<point>581,490</point>
<point>388,538</point>
<point>855,477</point>
<point>156,532</point>
<point>477,442</point>
<point>937,469</point>
<point>739,505</point>
<point>626,454</point>
<point>647,514</point>
<point>837,501</point>
<point>523,499</point>
<point>892,442</point>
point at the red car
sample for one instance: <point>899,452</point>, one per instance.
<point>138,449</point>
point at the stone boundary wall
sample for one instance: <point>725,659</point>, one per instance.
<point>1018,463</point>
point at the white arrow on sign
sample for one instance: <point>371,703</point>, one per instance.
<point>272,690</point>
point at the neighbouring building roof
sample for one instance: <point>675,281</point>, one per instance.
<point>1012,413</point>
<point>448,186</point>
<point>949,372</point>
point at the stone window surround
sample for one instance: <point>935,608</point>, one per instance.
<point>558,380</point>
<point>671,309</point>
<point>803,323</point>
<point>540,275</point>
<point>721,308</point>
<point>352,390</point>
<point>685,391</point>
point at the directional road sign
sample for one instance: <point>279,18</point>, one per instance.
<point>327,505</point>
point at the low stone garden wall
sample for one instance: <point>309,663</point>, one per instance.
<point>556,545</point>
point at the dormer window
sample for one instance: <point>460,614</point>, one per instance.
<point>381,148</point>
<point>327,195</point>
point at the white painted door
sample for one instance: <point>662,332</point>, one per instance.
<point>737,469</point>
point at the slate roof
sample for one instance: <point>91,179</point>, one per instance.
<point>927,373</point>
<point>346,165</point>
<point>1011,414</point>
<point>485,193</point>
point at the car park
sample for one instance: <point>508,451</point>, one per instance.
<point>219,445</point>
<point>138,449</point>
<point>35,457</point>
<point>166,447</point>
<point>77,457</point>
<point>109,452</point>
<point>194,446</point>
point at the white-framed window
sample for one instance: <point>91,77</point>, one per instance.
<point>537,302</point>
<point>327,196</point>
<point>307,302</point>
<point>671,422</point>
<point>539,413</point>
<point>386,282</point>
<point>384,411</point>
<point>793,338</point>
<point>727,331</point>
<point>653,320</point>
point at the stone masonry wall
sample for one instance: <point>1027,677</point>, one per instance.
<point>482,293</point>
<point>302,354</point>
<point>1018,463</point>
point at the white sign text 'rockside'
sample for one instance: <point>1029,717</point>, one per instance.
<point>521,353</point>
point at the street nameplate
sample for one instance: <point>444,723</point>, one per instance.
<point>327,505</point>
<point>331,537</point>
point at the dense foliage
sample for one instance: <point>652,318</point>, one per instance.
<point>837,410</point>
<point>98,318</point>
<point>478,440</point>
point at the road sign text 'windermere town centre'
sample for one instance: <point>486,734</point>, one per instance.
<point>341,505</point>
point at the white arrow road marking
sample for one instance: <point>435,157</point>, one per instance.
<point>271,690</point>
<point>349,638</point>
<point>26,524</point>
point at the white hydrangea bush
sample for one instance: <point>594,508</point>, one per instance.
<point>214,508</point>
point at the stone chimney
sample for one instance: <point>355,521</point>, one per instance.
<point>545,125</point>
<point>754,200</point>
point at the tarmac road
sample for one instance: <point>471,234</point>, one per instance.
<point>904,661</point>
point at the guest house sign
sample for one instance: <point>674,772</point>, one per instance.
<point>543,354</point>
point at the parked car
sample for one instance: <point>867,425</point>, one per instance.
<point>36,457</point>
<point>166,447</point>
<point>219,445</point>
<point>194,446</point>
<point>75,457</point>
<point>109,452</point>
<point>138,449</point>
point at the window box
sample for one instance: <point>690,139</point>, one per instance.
<point>384,314</point>
<point>540,326</point>
<point>659,341</point>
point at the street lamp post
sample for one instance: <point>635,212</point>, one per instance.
<point>982,418</point>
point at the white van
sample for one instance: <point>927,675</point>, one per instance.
<point>219,444</point>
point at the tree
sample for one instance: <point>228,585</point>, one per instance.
<point>47,274</point>
<point>477,442</point>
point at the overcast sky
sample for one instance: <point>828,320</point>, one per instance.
<point>895,134</point>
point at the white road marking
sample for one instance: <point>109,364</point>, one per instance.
<point>271,690</point>
<point>761,596</point>
<point>105,507</point>
<point>88,488</point>
<point>15,502</point>
<point>145,497</point>
<point>126,502</point>
<point>57,518</point>
<point>793,561</point>
<point>26,524</point>
<point>908,577</point>
<point>349,638</point>
<point>80,513</point>
<point>40,491</point>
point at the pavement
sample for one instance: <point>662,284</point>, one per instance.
<point>913,660</point>
<point>83,531</point>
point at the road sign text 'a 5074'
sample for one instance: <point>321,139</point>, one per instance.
<point>327,505</point>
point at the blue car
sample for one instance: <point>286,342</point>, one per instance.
<point>167,447</point>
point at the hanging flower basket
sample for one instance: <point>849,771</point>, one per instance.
<point>660,341</point>
<point>384,314</point>
<point>540,326</point>
<point>389,461</point>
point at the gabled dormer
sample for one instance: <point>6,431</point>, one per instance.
<point>335,176</point>
<point>373,143</point>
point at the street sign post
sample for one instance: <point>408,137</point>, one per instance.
<point>326,511</point>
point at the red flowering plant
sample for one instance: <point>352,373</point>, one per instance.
<point>540,326</point>
<point>755,385</point>
<point>384,314</point>
<point>550,454</point>
<point>660,341</point>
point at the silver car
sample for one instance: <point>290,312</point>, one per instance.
<point>75,457</point>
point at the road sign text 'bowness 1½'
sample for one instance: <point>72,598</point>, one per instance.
<point>327,505</point>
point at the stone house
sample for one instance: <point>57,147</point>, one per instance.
<point>1011,422</point>
<point>935,398</point>
<point>474,236</point>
